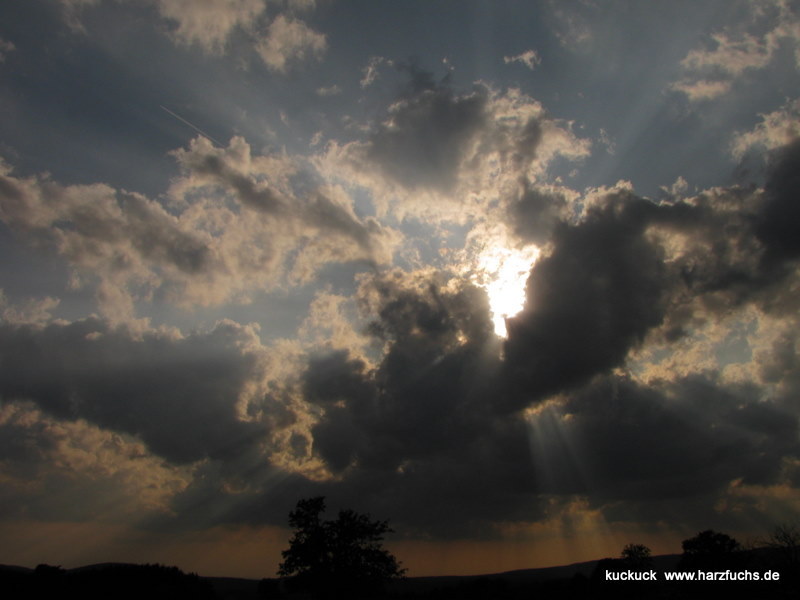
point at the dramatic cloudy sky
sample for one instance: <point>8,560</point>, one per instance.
<point>521,277</point>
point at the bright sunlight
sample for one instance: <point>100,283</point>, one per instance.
<point>503,273</point>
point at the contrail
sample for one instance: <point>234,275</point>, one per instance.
<point>197,129</point>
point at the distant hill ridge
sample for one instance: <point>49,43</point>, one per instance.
<point>661,562</point>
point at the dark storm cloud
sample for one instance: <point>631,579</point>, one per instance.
<point>613,440</point>
<point>631,266</point>
<point>420,398</point>
<point>780,367</point>
<point>588,303</point>
<point>428,131</point>
<point>652,377</point>
<point>418,435</point>
<point>413,437</point>
<point>534,213</point>
<point>739,242</point>
<point>484,476</point>
<point>348,393</point>
<point>778,225</point>
<point>177,395</point>
<point>616,439</point>
<point>435,434</point>
<point>440,416</point>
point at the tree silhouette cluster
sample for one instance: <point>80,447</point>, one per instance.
<point>784,547</point>
<point>337,558</point>
<point>637,557</point>
<point>345,558</point>
<point>711,550</point>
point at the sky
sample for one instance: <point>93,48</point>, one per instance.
<point>519,277</point>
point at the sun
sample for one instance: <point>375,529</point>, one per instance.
<point>503,273</point>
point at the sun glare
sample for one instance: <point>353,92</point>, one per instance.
<point>503,273</point>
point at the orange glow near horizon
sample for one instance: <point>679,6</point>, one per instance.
<point>255,553</point>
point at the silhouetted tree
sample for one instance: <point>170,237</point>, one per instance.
<point>780,550</point>
<point>710,550</point>
<point>637,557</point>
<point>343,557</point>
<point>785,543</point>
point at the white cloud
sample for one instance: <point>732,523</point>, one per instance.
<point>33,311</point>
<point>330,325</point>
<point>730,56</point>
<point>290,40</point>
<point>711,71</point>
<point>529,58</point>
<point>316,228</point>
<point>702,89</point>
<point>776,129</point>
<point>439,155</point>
<point>238,226</point>
<point>678,188</point>
<point>209,23</point>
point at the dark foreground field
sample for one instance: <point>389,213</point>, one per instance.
<point>581,580</point>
